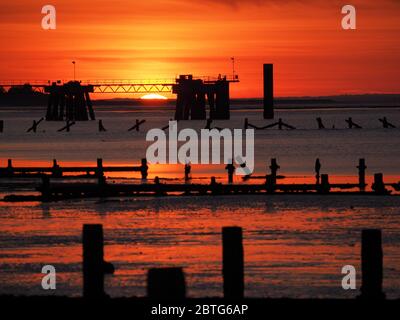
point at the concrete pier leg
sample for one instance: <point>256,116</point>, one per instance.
<point>268,91</point>
<point>233,262</point>
<point>166,283</point>
<point>372,264</point>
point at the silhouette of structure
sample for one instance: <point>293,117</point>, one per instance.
<point>352,124</point>
<point>69,102</point>
<point>192,95</point>
<point>317,171</point>
<point>101,126</point>
<point>386,124</point>
<point>94,266</point>
<point>320,123</point>
<point>268,91</point>
<point>372,264</point>
<point>35,125</point>
<point>233,262</point>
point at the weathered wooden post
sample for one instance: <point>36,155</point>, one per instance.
<point>214,186</point>
<point>101,126</point>
<point>372,264</point>
<point>100,170</point>
<point>45,188</point>
<point>94,266</point>
<point>274,167</point>
<point>361,174</point>
<point>144,169</point>
<point>230,168</point>
<point>379,186</point>
<point>10,170</point>
<point>188,168</point>
<point>246,123</point>
<point>56,170</point>
<point>317,171</point>
<point>166,283</point>
<point>324,187</point>
<point>1,126</point>
<point>320,124</point>
<point>270,183</point>
<point>233,262</point>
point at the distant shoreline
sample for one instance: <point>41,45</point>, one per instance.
<point>36,99</point>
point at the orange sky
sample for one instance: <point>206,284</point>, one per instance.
<point>157,39</point>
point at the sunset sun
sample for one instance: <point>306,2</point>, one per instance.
<point>153,96</point>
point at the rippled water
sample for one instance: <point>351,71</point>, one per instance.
<point>295,246</point>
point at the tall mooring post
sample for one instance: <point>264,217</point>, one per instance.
<point>268,91</point>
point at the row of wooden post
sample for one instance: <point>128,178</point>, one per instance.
<point>169,283</point>
<point>322,180</point>
<point>57,171</point>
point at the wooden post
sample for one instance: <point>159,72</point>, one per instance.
<point>372,264</point>
<point>379,186</point>
<point>144,169</point>
<point>230,167</point>
<point>274,167</point>
<point>270,183</point>
<point>101,126</point>
<point>317,171</point>
<point>10,170</point>
<point>187,172</point>
<point>166,283</point>
<point>94,266</point>
<point>56,172</point>
<point>361,174</point>
<point>100,171</point>
<point>214,186</point>
<point>233,262</point>
<point>45,189</point>
<point>324,187</point>
<point>1,126</point>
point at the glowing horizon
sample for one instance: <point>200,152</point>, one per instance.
<point>312,54</point>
